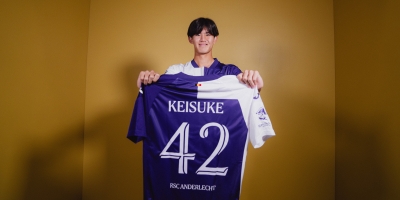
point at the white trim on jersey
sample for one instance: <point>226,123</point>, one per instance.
<point>226,84</point>
<point>258,122</point>
<point>187,68</point>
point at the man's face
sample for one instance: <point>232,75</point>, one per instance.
<point>203,42</point>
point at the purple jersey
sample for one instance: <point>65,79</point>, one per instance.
<point>195,131</point>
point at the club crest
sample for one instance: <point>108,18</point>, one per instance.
<point>262,114</point>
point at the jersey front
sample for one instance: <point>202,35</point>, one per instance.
<point>195,132</point>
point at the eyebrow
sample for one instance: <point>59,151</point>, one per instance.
<point>207,32</point>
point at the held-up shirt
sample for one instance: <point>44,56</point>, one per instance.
<point>195,131</point>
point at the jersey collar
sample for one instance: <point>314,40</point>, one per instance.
<point>215,63</point>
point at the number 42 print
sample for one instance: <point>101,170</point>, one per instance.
<point>184,156</point>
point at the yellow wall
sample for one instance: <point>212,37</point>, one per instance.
<point>289,42</point>
<point>52,60</point>
<point>50,114</point>
<point>367,48</point>
<point>43,50</point>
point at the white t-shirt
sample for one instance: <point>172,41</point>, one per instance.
<point>191,68</point>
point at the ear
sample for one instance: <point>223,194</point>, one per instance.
<point>215,39</point>
<point>190,39</point>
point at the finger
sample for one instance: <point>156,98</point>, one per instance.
<point>140,79</point>
<point>256,78</point>
<point>156,77</point>
<point>240,76</point>
<point>250,80</point>
<point>153,77</point>
<point>146,77</point>
<point>245,76</point>
<point>259,82</point>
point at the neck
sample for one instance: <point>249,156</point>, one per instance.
<point>204,60</point>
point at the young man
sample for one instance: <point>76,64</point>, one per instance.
<point>194,140</point>
<point>203,34</point>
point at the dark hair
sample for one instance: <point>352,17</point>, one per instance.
<point>199,24</point>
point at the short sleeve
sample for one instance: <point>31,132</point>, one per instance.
<point>260,126</point>
<point>233,70</point>
<point>174,69</point>
<point>137,127</point>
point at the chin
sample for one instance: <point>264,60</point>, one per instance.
<point>204,51</point>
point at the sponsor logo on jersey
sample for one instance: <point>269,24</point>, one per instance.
<point>264,124</point>
<point>196,106</point>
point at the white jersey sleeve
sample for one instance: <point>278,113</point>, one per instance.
<point>255,114</point>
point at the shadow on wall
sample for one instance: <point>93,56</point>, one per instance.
<point>55,170</point>
<point>113,163</point>
<point>359,142</point>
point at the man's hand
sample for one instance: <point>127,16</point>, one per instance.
<point>251,78</point>
<point>147,77</point>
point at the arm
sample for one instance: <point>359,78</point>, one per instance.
<point>147,77</point>
<point>251,78</point>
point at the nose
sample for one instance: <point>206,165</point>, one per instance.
<point>202,37</point>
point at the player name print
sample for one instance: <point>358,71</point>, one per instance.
<point>196,107</point>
